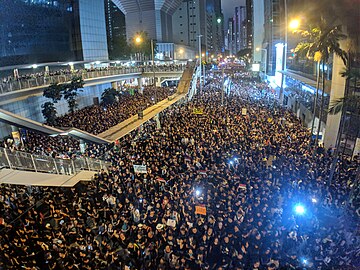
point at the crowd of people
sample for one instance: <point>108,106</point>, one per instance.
<point>225,187</point>
<point>97,118</point>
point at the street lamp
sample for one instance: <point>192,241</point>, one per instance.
<point>200,63</point>
<point>294,24</point>
<point>138,40</point>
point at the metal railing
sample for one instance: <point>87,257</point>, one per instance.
<point>47,80</point>
<point>21,84</point>
<point>18,160</point>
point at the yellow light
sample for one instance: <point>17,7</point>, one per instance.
<point>181,51</point>
<point>294,24</point>
<point>197,57</point>
<point>138,39</point>
<point>203,54</point>
<point>258,49</point>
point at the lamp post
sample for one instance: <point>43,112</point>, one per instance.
<point>153,62</point>
<point>293,25</point>
<point>200,63</point>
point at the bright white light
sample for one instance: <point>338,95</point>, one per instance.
<point>71,64</point>
<point>299,209</point>
<point>197,192</point>
<point>34,66</point>
<point>231,162</point>
<point>314,200</point>
<point>256,67</point>
<point>117,62</point>
<point>304,261</point>
<point>97,62</point>
<point>190,60</point>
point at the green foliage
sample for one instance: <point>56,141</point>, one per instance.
<point>245,55</point>
<point>109,96</point>
<point>54,92</point>
<point>322,39</point>
<point>70,92</point>
<point>144,46</point>
<point>121,49</point>
<point>49,112</point>
<point>352,103</point>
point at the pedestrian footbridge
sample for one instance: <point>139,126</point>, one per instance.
<point>20,168</point>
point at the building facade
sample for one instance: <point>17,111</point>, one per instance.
<point>151,16</point>
<point>116,31</point>
<point>49,31</point>
<point>240,31</point>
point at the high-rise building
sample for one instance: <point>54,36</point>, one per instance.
<point>215,27</point>
<point>189,22</point>
<point>249,23</point>
<point>116,30</point>
<point>48,31</point>
<point>273,22</point>
<point>240,23</point>
<point>194,18</point>
<point>258,51</point>
<point>231,37</point>
<point>151,16</point>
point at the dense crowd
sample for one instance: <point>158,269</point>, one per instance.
<point>96,119</point>
<point>247,168</point>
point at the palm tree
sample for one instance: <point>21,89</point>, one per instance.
<point>320,43</point>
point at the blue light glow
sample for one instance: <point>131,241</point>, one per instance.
<point>299,209</point>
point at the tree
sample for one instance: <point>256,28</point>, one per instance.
<point>321,42</point>
<point>70,91</point>
<point>121,48</point>
<point>54,92</point>
<point>141,43</point>
<point>245,55</point>
<point>49,112</point>
<point>351,103</point>
<point>109,96</point>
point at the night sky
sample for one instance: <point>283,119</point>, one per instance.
<point>228,7</point>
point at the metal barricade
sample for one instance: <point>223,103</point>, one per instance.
<point>4,162</point>
<point>20,160</point>
<point>44,164</point>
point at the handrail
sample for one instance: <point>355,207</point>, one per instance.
<point>22,84</point>
<point>40,163</point>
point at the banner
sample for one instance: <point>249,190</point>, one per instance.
<point>140,168</point>
<point>200,210</point>
<point>198,111</point>
<point>243,111</point>
<point>16,137</point>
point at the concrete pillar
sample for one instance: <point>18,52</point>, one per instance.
<point>140,85</point>
<point>337,91</point>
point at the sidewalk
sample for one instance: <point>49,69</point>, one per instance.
<point>125,127</point>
